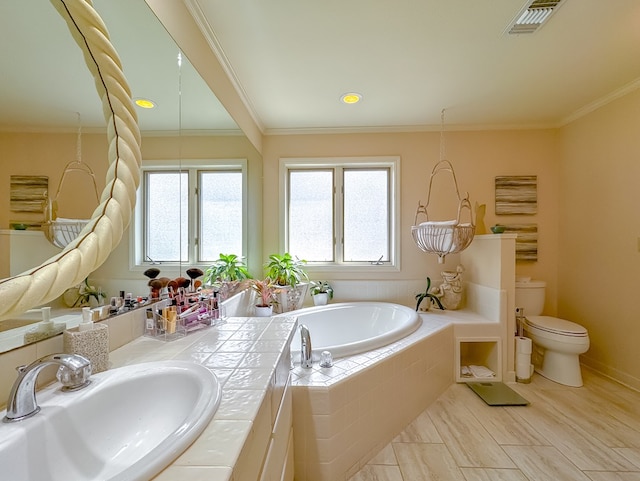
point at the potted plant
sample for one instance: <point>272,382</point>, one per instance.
<point>89,295</point>
<point>431,298</point>
<point>289,274</point>
<point>267,296</point>
<point>226,273</point>
<point>321,292</point>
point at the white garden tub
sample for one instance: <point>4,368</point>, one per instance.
<point>350,328</point>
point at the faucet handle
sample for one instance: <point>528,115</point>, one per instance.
<point>73,379</point>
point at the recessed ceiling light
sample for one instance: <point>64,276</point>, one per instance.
<point>145,103</point>
<point>351,98</point>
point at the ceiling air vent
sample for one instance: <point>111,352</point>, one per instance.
<point>532,16</point>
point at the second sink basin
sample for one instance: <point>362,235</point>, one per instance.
<point>128,424</point>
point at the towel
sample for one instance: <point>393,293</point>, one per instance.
<point>481,372</point>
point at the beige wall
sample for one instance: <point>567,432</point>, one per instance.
<point>47,154</point>
<point>587,195</point>
<point>477,158</point>
<point>599,266</point>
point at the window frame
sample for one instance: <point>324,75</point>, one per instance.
<point>392,163</point>
<point>137,262</point>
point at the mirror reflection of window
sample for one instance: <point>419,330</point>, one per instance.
<point>166,216</point>
<point>220,204</point>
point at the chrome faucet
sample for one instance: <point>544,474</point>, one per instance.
<point>74,374</point>
<point>305,347</point>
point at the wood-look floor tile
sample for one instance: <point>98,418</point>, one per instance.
<point>503,423</point>
<point>490,474</point>
<point>378,473</point>
<point>580,424</point>
<point>612,476</point>
<point>544,463</point>
<point>611,425</point>
<point>385,456</point>
<point>470,443</point>
<point>593,379</point>
<point>420,461</point>
<point>631,454</point>
<point>586,451</point>
<point>421,430</point>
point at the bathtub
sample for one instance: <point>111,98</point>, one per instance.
<point>350,328</point>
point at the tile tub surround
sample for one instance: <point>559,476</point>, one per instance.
<point>344,415</point>
<point>251,358</point>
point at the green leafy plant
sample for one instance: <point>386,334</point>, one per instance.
<point>286,270</point>
<point>319,287</point>
<point>431,298</point>
<point>227,268</point>
<point>266,290</point>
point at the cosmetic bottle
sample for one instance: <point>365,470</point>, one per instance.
<point>86,324</point>
<point>47,323</point>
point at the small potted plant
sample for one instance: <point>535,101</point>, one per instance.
<point>321,292</point>
<point>226,273</point>
<point>289,274</point>
<point>89,295</point>
<point>267,296</point>
<point>431,298</point>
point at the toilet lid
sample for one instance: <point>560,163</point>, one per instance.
<point>560,326</point>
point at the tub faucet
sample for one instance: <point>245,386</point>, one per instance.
<point>305,347</point>
<point>73,374</point>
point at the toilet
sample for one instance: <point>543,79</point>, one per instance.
<point>557,342</point>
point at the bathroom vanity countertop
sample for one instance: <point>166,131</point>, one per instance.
<point>244,353</point>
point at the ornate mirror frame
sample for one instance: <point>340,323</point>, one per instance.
<point>109,220</point>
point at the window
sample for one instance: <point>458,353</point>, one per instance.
<point>341,212</point>
<point>191,214</point>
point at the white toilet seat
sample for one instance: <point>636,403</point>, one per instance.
<point>554,325</point>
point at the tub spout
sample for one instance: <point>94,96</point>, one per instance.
<point>305,347</point>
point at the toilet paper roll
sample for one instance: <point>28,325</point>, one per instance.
<point>523,345</point>
<point>524,372</point>
<point>523,358</point>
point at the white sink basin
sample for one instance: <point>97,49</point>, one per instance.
<point>128,424</point>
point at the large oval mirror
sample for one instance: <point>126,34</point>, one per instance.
<point>189,121</point>
<point>108,221</point>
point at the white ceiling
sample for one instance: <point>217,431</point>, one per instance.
<point>411,58</point>
<point>44,82</point>
<point>292,60</point>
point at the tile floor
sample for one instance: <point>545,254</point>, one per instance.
<point>590,433</point>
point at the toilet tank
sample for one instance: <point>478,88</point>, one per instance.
<point>530,297</point>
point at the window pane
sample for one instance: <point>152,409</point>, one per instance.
<point>366,215</point>
<point>167,216</point>
<point>311,215</point>
<point>221,214</point>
